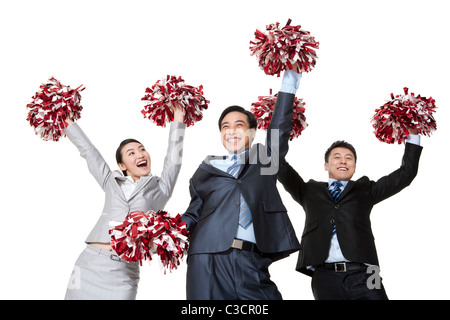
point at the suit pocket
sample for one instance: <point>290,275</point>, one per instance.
<point>310,227</point>
<point>273,207</point>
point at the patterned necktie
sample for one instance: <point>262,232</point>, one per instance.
<point>234,168</point>
<point>245,216</point>
<point>335,190</point>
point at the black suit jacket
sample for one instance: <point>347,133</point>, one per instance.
<point>351,213</point>
<point>213,213</point>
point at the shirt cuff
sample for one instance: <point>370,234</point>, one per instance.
<point>413,138</point>
<point>291,81</point>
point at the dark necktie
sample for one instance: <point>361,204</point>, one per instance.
<point>245,216</point>
<point>335,191</point>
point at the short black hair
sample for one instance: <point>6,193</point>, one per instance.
<point>250,116</point>
<point>119,151</point>
<point>339,144</point>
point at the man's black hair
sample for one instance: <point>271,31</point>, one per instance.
<point>339,144</point>
<point>250,116</point>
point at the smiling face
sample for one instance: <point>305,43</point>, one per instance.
<point>135,160</point>
<point>341,164</point>
<point>235,132</point>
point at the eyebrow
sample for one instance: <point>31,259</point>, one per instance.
<point>237,121</point>
<point>344,154</point>
<point>131,149</point>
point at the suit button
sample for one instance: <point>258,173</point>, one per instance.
<point>336,206</point>
<point>237,204</point>
<point>332,221</point>
<point>239,181</point>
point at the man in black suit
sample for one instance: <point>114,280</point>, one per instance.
<point>338,248</point>
<point>237,220</point>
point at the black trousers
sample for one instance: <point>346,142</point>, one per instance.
<point>231,275</point>
<point>349,285</point>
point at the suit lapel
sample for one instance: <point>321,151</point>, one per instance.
<point>142,182</point>
<point>119,177</point>
<point>207,166</point>
<point>346,190</point>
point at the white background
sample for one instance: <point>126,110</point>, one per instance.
<point>116,49</point>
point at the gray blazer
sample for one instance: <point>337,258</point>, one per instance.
<point>151,192</point>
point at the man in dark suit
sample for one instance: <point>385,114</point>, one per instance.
<point>237,220</point>
<point>338,248</point>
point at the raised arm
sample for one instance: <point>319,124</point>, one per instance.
<point>173,160</point>
<point>96,164</point>
<point>280,127</point>
<point>402,177</point>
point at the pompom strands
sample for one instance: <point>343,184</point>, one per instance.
<point>392,120</point>
<point>51,107</point>
<point>264,107</point>
<point>279,49</point>
<point>162,97</point>
<point>143,234</point>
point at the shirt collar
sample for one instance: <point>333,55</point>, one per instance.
<point>240,156</point>
<point>331,180</point>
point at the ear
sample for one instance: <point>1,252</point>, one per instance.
<point>326,166</point>
<point>122,167</point>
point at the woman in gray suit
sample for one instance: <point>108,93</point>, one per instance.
<point>99,273</point>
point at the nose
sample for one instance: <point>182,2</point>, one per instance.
<point>140,154</point>
<point>231,131</point>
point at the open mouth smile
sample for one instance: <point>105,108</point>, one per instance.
<point>142,164</point>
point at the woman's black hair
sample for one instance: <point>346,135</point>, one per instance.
<point>119,151</point>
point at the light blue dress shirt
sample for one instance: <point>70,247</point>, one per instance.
<point>290,84</point>
<point>335,254</point>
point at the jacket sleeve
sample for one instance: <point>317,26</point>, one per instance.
<point>399,179</point>
<point>192,214</point>
<point>278,132</point>
<point>173,159</point>
<point>96,164</point>
<point>291,181</point>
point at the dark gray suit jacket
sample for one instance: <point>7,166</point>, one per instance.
<point>212,216</point>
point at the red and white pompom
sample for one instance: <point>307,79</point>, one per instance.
<point>130,239</point>
<point>143,234</point>
<point>279,49</point>
<point>392,120</point>
<point>169,238</point>
<point>51,107</point>
<point>263,110</point>
<point>164,94</point>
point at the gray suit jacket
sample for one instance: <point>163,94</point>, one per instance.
<point>151,192</point>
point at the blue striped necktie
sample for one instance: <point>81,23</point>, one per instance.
<point>234,168</point>
<point>245,216</point>
<point>335,192</point>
